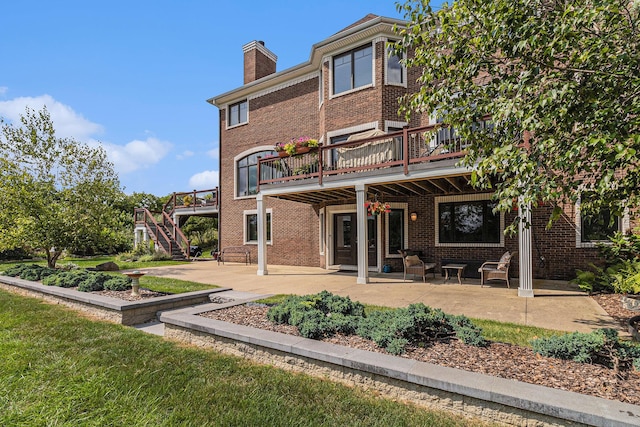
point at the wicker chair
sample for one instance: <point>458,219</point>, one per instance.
<point>496,270</point>
<point>413,265</point>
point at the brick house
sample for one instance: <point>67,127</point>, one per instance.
<point>310,209</point>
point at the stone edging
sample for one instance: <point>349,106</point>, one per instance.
<point>107,308</point>
<point>470,394</point>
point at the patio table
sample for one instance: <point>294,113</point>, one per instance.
<point>459,267</point>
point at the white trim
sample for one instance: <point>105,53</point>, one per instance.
<point>386,68</point>
<point>624,224</point>
<point>371,42</point>
<point>241,156</point>
<point>228,109</point>
<point>464,198</point>
<point>261,48</point>
<point>248,212</point>
<point>393,124</point>
<point>322,234</point>
<point>405,243</point>
<point>351,208</point>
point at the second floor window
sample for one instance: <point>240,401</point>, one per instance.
<point>238,113</point>
<point>395,70</point>
<point>247,173</point>
<point>353,69</point>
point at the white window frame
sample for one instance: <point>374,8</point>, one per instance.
<point>228,118</point>
<point>393,124</point>
<point>373,69</point>
<point>239,157</point>
<point>464,198</point>
<point>386,67</point>
<point>322,234</point>
<point>405,208</point>
<point>624,225</point>
<point>245,214</point>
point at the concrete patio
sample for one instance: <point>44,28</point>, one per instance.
<point>556,304</point>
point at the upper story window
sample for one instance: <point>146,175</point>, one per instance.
<point>353,69</point>
<point>395,74</point>
<point>247,173</point>
<point>238,113</point>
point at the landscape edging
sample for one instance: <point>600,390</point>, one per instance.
<point>470,394</point>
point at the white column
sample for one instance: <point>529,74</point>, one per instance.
<point>262,237</point>
<point>363,245</point>
<point>525,287</point>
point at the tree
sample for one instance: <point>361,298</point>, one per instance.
<point>559,80</point>
<point>57,192</point>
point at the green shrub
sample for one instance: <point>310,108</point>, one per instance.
<point>94,282</point>
<point>600,347</point>
<point>418,324</point>
<point>67,279</point>
<point>118,283</point>
<point>325,314</point>
<point>621,247</point>
<point>625,277</point>
<point>33,272</point>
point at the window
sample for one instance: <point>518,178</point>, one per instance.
<point>247,173</point>
<point>238,113</point>
<point>395,71</point>
<point>397,230</point>
<point>468,222</point>
<point>353,69</point>
<point>251,227</point>
<point>597,228</point>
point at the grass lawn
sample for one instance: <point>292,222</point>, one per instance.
<point>58,368</point>
<point>93,261</point>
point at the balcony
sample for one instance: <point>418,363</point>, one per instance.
<point>362,153</point>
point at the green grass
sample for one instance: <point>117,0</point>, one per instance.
<point>58,368</point>
<point>172,286</point>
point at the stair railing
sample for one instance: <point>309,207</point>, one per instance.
<point>144,216</point>
<point>178,236</point>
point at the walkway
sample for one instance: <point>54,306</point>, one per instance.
<point>556,305</point>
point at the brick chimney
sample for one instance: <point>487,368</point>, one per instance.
<point>258,61</point>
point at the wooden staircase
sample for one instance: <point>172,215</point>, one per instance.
<point>162,229</point>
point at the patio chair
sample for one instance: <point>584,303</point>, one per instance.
<point>412,264</point>
<point>496,270</point>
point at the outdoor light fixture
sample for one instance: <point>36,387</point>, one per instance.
<point>414,216</point>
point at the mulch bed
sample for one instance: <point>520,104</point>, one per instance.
<point>498,359</point>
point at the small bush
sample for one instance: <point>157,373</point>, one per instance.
<point>33,272</point>
<point>600,347</point>
<point>118,283</point>
<point>67,279</point>
<point>94,282</point>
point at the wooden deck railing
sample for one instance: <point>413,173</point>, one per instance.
<point>398,149</point>
<point>193,199</point>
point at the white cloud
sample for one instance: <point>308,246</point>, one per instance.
<point>137,154</point>
<point>185,154</point>
<point>204,180</point>
<point>67,123</point>
<point>214,154</point>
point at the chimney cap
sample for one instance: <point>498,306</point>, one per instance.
<point>259,45</point>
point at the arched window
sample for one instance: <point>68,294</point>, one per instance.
<point>247,173</point>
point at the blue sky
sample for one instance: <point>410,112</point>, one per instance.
<point>134,75</point>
